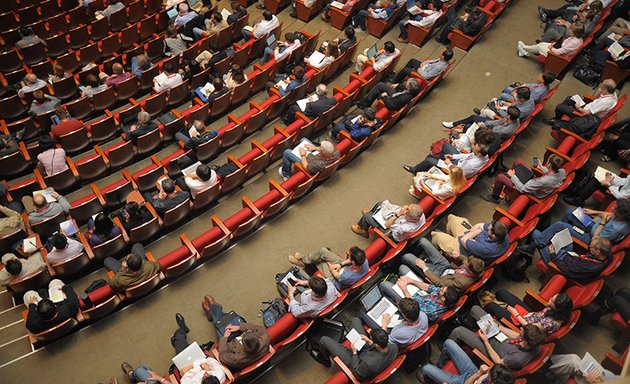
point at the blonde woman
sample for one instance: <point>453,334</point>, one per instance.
<point>445,186</point>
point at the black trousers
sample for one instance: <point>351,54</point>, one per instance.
<point>506,297</point>
<point>412,65</point>
<point>374,94</point>
<point>565,108</point>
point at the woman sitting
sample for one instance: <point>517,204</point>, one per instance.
<point>234,77</point>
<point>101,229</point>
<point>444,187</point>
<point>331,52</point>
<point>93,86</point>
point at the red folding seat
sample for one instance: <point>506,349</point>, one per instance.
<point>118,20</point>
<point>80,108</point>
<point>136,11</point>
<point>208,150</point>
<point>75,142</point>
<point>179,260</point>
<point>148,27</point>
<point>153,6</point>
<point>12,108</point>
<point>155,48</point>
<point>110,45</point>
<point>261,79</point>
<point>28,15</point>
<point>179,94</point>
<point>28,125</point>
<point>90,54</point>
<point>8,20</point>
<point>10,37</point>
<point>116,193</point>
<point>14,164</point>
<point>49,226</point>
<point>57,45</point>
<point>155,104</point>
<point>174,216</point>
<point>16,76</point>
<point>206,197</point>
<point>39,28</point>
<point>233,134</point>
<point>143,233</point>
<point>260,162</point>
<point>146,81</point>
<point>10,61</point>
<point>92,167</point>
<point>58,24</point>
<point>79,37</point>
<point>49,7</point>
<point>129,37</point>
<point>257,120</point>
<point>220,105</point>
<point>241,56</point>
<point>148,143</point>
<point>234,179</point>
<point>69,61</point>
<point>127,89</point>
<point>65,89</point>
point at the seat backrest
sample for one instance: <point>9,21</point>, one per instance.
<point>241,92</point>
<point>33,281</point>
<point>220,105</point>
<point>208,150</point>
<point>49,226</point>
<point>75,141</point>
<point>13,165</point>
<point>113,247</point>
<point>173,216</point>
<point>149,142</point>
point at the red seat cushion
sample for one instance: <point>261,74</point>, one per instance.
<point>86,159</point>
<point>174,257</point>
<point>108,150</point>
<point>238,218</point>
<point>117,184</point>
<point>206,238</point>
<point>282,328</point>
<point>263,202</point>
<point>375,251</point>
<point>102,294</point>
<point>82,200</point>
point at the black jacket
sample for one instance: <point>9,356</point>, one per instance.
<point>235,16</point>
<point>474,24</point>
<point>316,108</point>
<point>141,130</point>
<point>163,205</point>
<point>394,103</point>
<point>65,310</point>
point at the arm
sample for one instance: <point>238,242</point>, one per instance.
<point>64,204</point>
<point>494,356</point>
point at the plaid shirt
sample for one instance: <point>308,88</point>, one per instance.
<point>430,304</point>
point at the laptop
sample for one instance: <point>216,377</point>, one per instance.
<point>68,228</point>
<point>583,217</point>
<point>172,14</point>
<point>376,305</point>
<point>272,42</point>
<point>193,3</point>
<point>372,51</point>
<point>55,120</point>
<point>189,355</point>
<point>229,52</point>
<point>524,174</point>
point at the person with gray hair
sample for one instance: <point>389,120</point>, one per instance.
<point>313,158</point>
<point>394,96</point>
<point>397,222</point>
<point>316,105</point>
<point>29,84</point>
<point>143,126</point>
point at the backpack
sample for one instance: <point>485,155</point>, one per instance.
<point>274,310</point>
<point>300,36</point>
<point>327,327</point>
<point>586,75</point>
<point>515,267</point>
<point>226,169</point>
<point>585,126</point>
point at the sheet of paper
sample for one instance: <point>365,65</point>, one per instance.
<point>29,245</point>
<point>207,89</point>
<point>589,364</point>
<point>316,58</point>
<point>561,239</point>
<point>56,294</point>
<point>414,10</point>
<point>68,227</point>
<point>302,103</point>
<point>411,288</point>
<point>355,339</point>
<point>600,174</point>
<point>616,50</point>
<point>225,13</point>
<point>336,4</point>
<point>579,102</point>
<point>47,194</point>
<point>303,144</point>
<point>249,28</point>
<point>441,164</point>
<point>160,79</point>
<point>488,325</point>
<point>191,169</point>
<point>378,216</point>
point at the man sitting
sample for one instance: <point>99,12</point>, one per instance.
<point>540,187</point>
<point>166,198</point>
<point>470,24</point>
<point>45,210</point>
<point>568,47</point>
<point>374,357</point>
<point>173,79</point>
<point>118,75</point>
<point>143,126</point>
<point>133,269</point>
<point>358,126</point>
<point>428,69</point>
<point>619,188</point>
<point>263,27</point>
<point>344,272</point>
<point>289,82</point>
<point>184,15</point>
<point>380,61</point>
<point>342,43</point>
<point>64,248</point>
<point>425,18</point>
<point>485,241</point>
<point>394,96</point>
<point>42,103</point>
<point>30,84</point>
<point>197,134</point>
<point>282,49</point>
<point>114,6</point>
<point>15,268</point>
<point>413,326</point>
<point>313,301</point>
<point>439,271</point>
<point>66,124</point>
<point>503,128</point>
<point>470,163</point>
<point>381,9</point>
<point>203,178</point>
<point>28,37</point>
<point>316,105</point>
<point>537,90</point>
<point>10,219</point>
<point>313,158</point>
<point>399,222</point>
<point>44,313</point>
<point>605,99</point>
<point>347,7</point>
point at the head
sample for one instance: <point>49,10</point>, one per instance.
<point>497,230</point>
<point>357,256</point>
<point>622,210</point>
<point>321,90</point>
<point>380,338</point>
<point>409,309</point>
<point>203,172</point>
<point>447,54</point>
<point>237,73</point>
<point>168,68</point>
<point>217,17</point>
<point>134,262</point>
<point>168,186</point>
<point>234,5</point>
<point>577,31</point>
<point>596,7</point>
<point>14,267</point>
<point>182,8</point>
<point>133,210</point>
<point>413,86</point>
<point>92,80</point>
<point>414,213</point>
<point>59,241</point>
<point>456,177</point>
<point>318,285</point>
<point>369,114</point>
<point>533,335</point>
<point>171,31</point>
<point>522,93</point>
<point>435,5</point>
<point>600,247</point>
<point>39,96</point>
<point>267,15</point>
<point>389,47</point>
<point>62,114</point>
<point>143,62</point>
<point>500,374</point>
<point>39,201</point>
<point>449,296</point>
<point>555,162</point>
<point>289,37</point>
<point>513,113</point>
<point>103,224</point>
<point>30,79</point>
<point>349,32</point>
<point>561,305</point>
<point>46,309</point>
<point>200,127</point>
<point>143,117</point>
<point>607,87</point>
<point>58,70</point>
<point>250,342</point>
<point>118,69</point>
<point>327,149</point>
<point>210,379</point>
<point>298,72</point>
<point>333,49</point>
<point>26,31</point>
<point>218,84</point>
<point>213,46</point>
<point>474,265</point>
<point>546,78</point>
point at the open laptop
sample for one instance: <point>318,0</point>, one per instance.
<point>189,355</point>
<point>375,304</point>
<point>272,42</point>
<point>172,14</point>
<point>372,51</point>
<point>193,3</point>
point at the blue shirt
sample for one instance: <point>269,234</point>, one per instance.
<point>483,247</point>
<point>537,91</point>
<point>292,85</point>
<point>614,230</point>
<point>430,304</point>
<point>405,333</point>
<point>350,276</point>
<point>180,20</point>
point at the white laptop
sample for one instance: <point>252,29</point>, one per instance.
<point>376,305</point>
<point>189,355</point>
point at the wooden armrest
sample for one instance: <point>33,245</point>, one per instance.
<point>154,213</point>
<point>536,297</point>
<point>300,115</point>
<point>346,135</point>
<point>624,171</point>
<point>156,161</point>
<point>255,105</point>
<point>39,177</point>
<point>256,144</point>
<point>176,113</point>
<point>24,151</point>
<point>129,178</point>
<point>580,243</point>
<point>534,199</point>
<point>509,216</point>
<point>354,76</point>
<point>553,266</point>
<point>125,235</point>
<point>186,241</point>
<point>84,242</point>
<point>218,223</point>
<point>337,90</point>
<point>199,102</point>
<point>133,101</point>
<point>100,152</point>
<point>235,161</point>
<point>508,324</point>
<point>428,192</point>
<point>574,135</point>
<point>149,256</point>
<point>280,130</point>
<point>301,168</point>
<point>108,113</point>
<point>98,194</point>
<point>483,357</point>
<point>418,76</point>
<point>274,185</point>
<point>345,370</point>
<point>386,238</point>
<point>247,203</point>
<point>273,91</point>
<point>72,167</point>
<point>233,119</point>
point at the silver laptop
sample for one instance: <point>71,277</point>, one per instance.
<point>192,3</point>
<point>172,14</point>
<point>189,355</point>
<point>372,51</point>
<point>375,304</point>
<point>272,42</point>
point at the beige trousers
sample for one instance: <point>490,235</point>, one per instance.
<point>447,242</point>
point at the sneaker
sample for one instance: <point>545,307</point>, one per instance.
<point>489,197</point>
<point>296,260</point>
<point>447,124</point>
<point>282,174</point>
<point>293,15</point>
<point>477,111</point>
<point>519,47</point>
<point>359,231</point>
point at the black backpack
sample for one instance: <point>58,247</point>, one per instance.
<point>585,126</point>
<point>587,75</point>
<point>272,311</point>
<point>327,327</point>
<point>515,267</point>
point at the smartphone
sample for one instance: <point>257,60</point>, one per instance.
<point>536,162</point>
<point>466,225</point>
<point>291,281</point>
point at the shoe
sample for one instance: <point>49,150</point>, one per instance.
<point>260,6</point>
<point>441,41</point>
<point>521,51</point>
<point>549,121</point>
<point>400,39</point>
<point>317,356</point>
<point>326,19</point>
<point>409,169</point>
<point>573,200</point>
<point>420,376</point>
<point>126,368</point>
<point>205,304</point>
<point>477,111</point>
<point>359,231</point>
<point>365,211</point>
<point>542,13</point>
<point>181,322</point>
<point>488,197</point>
<point>447,124</point>
<point>113,380</point>
<point>296,259</point>
<point>282,174</point>
<point>293,15</point>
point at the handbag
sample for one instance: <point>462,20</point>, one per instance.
<point>273,311</point>
<point>436,147</point>
<point>586,75</point>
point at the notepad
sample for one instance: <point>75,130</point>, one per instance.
<point>412,289</point>
<point>303,144</point>
<point>336,4</point>
<point>160,79</point>
<point>583,217</point>
<point>29,245</point>
<point>302,103</point>
<point>561,239</point>
<point>616,50</point>
<point>487,324</point>
<point>600,174</point>
<point>355,339</point>
<point>414,10</point>
<point>207,89</point>
<point>315,58</point>
<point>68,227</point>
<point>191,169</point>
<point>579,102</point>
<point>225,13</point>
<point>56,294</point>
<point>589,364</point>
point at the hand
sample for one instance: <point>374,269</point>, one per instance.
<point>366,339</point>
<point>302,152</point>
<point>354,349</point>
<point>484,368</point>
<point>395,85</point>
<point>205,366</point>
<point>133,128</point>
<point>290,290</point>
<point>303,283</point>
<point>385,320</point>
<point>402,281</point>
<point>123,265</point>
<point>447,160</point>
<point>511,173</point>
<point>232,328</point>
<point>55,195</point>
<point>512,310</point>
<point>333,267</point>
<point>421,264</point>
<point>384,94</point>
<point>552,249</point>
<point>608,179</point>
<point>402,211</point>
<point>589,211</point>
<point>593,377</point>
<point>455,254</point>
<point>483,336</point>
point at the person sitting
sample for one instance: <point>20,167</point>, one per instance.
<point>118,75</point>
<point>175,43</point>
<point>433,300</point>
<point>445,186</point>
<point>43,313</point>
<point>617,147</point>
<point>380,61</point>
<point>15,268</point>
<point>166,198</point>
<point>213,26</point>
<point>236,353</point>
<point>261,29</point>
<point>114,6</point>
<point>537,90</point>
<point>618,302</point>
<point>358,126</point>
<point>470,163</point>
<point>374,357</point>
<point>143,126</point>
<point>330,51</point>
<point>425,18</point>
<point>66,124</point>
<point>485,241</point>
<point>569,10</point>
<point>306,3</point>
<point>553,175</point>
<point>343,43</point>
<point>435,268</point>
<point>234,77</point>
<point>290,82</point>
<point>613,226</point>
<point>42,103</point>
<point>184,15</point>
<point>59,73</point>
<point>428,69</point>
<point>556,313</point>
<point>600,53</point>
<point>400,222</point>
<point>144,374</point>
<point>470,24</point>
<point>197,134</point>
<point>568,47</point>
<point>497,109</point>
<point>561,29</point>
<point>30,84</point>
<point>133,215</point>
<point>140,64</point>
<point>133,269</point>
<point>467,371</point>
<point>173,79</point>
<point>101,229</point>
<point>313,301</point>
<point>238,11</point>
<point>93,85</point>
<point>382,9</point>
<point>618,187</point>
<point>51,158</point>
<point>283,48</point>
<point>203,178</point>
<point>582,268</point>
<point>413,326</point>
<point>45,210</point>
<point>568,366</point>
<point>207,59</point>
<point>347,7</point>
<point>316,105</point>
<point>605,99</point>
<point>514,352</point>
<point>28,37</point>
<point>10,221</point>
<point>63,248</point>
<point>394,96</point>
<point>343,272</point>
<point>313,158</point>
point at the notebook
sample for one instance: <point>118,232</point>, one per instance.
<point>589,364</point>
<point>303,144</point>
<point>29,245</point>
<point>47,194</point>
<point>600,174</point>
<point>272,42</point>
<point>316,58</point>
<point>56,294</point>
<point>207,89</point>
<point>487,324</point>
<point>372,51</point>
<point>431,183</point>
<point>414,10</point>
<point>189,355</point>
<point>160,79</point>
<point>561,239</point>
<point>380,219</point>
<point>579,102</point>
<point>616,50</point>
<point>171,13</point>
<point>336,4</point>
<point>68,228</point>
<point>583,217</point>
<point>411,288</point>
<point>376,305</point>
<point>355,339</point>
<point>302,103</point>
<point>523,173</point>
<point>225,13</point>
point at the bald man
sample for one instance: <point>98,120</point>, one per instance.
<point>400,222</point>
<point>30,83</point>
<point>44,210</point>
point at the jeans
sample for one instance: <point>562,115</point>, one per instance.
<point>464,365</point>
<point>114,265</point>
<point>360,19</point>
<point>471,338</point>
<point>216,310</point>
<point>198,33</point>
<point>288,159</point>
<point>434,259</point>
<point>471,119</point>
<point>141,373</point>
<point>506,95</point>
<point>247,35</point>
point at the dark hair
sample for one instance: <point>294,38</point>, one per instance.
<point>318,285</point>
<point>61,113</point>
<point>168,186</point>
<point>103,225</point>
<point>45,142</point>
<point>500,374</point>
<point>59,241</point>
<point>513,112</point>
<point>210,379</point>
<point>548,77</point>
<point>522,93</point>
<point>217,16</point>
<point>369,113</point>
<point>134,262</point>
<point>218,84</point>
<point>555,162</point>
<point>357,255</point>
<point>563,307</point>
<point>484,149</point>
<point>578,30</point>
<point>26,31</point>
<point>437,4</point>
<point>499,230</point>
<point>92,80</point>
<point>46,309</point>
<point>476,265</point>
<point>13,266</point>
<point>389,47</point>
<point>133,210</point>
<point>603,245</point>
<point>167,67</point>
<point>450,296</point>
<point>250,342</point>
<point>298,72</point>
<point>447,54</point>
<point>39,96</point>
<point>413,86</point>
<point>171,31</point>
<point>533,335</point>
<point>237,73</point>
<point>203,172</point>
<point>622,210</point>
<point>379,337</point>
<point>608,88</point>
<point>333,49</point>
<point>289,37</point>
<point>409,308</point>
<point>349,32</point>
<point>213,46</point>
<point>267,15</point>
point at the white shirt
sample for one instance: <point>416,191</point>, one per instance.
<point>172,81</point>
<point>264,27</point>
<point>287,50</point>
<point>196,374</point>
<point>470,163</point>
<point>427,20</point>
<point>198,185</point>
<point>602,105</point>
<point>402,228</point>
<point>382,61</point>
<point>56,256</point>
<point>620,187</point>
